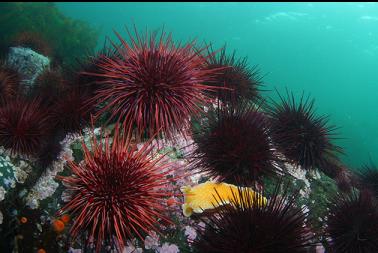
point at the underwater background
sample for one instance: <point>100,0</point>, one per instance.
<point>327,50</point>
<point>188,127</point>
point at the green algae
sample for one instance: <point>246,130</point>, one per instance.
<point>70,39</point>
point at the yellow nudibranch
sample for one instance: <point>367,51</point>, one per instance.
<point>210,195</point>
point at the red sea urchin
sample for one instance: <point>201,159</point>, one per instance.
<point>248,225</point>
<point>85,86</point>
<point>23,126</point>
<point>117,191</point>
<point>9,83</point>
<point>69,111</point>
<point>153,84</point>
<point>303,137</point>
<point>48,85</point>
<point>352,223</point>
<point>90,64</point>
<point>239,81</point>
<point>232,142</point>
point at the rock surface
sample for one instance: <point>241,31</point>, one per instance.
<point>28,63</point>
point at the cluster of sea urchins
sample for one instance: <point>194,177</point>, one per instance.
<point>249,224</point>
<point>233,142</point>
<point>117,191</point>
<point>35,120</point>
<point>152,84</point>
<point>152,87</point>
<point>31,120</point>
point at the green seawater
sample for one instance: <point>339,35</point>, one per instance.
<point>327,50</point>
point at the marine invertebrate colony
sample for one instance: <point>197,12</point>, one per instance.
<point>302,136</point>
<point>233,142</point>
<point>117,191</point>
<point>24,125</point>
<point>249,226</point>
<point>239,81</point>
<point>353,223</point>
<point>153,84</point>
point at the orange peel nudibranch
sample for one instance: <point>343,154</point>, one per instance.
<point>210,195</point>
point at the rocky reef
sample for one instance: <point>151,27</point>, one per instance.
<point>145,147</point>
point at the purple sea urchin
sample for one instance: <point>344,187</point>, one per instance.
<point>302,136</point>
<point>368,178</point>
<point>237,79</point>
<point>234,142</point>
<point>247,225</point>
<point>353,223</point>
